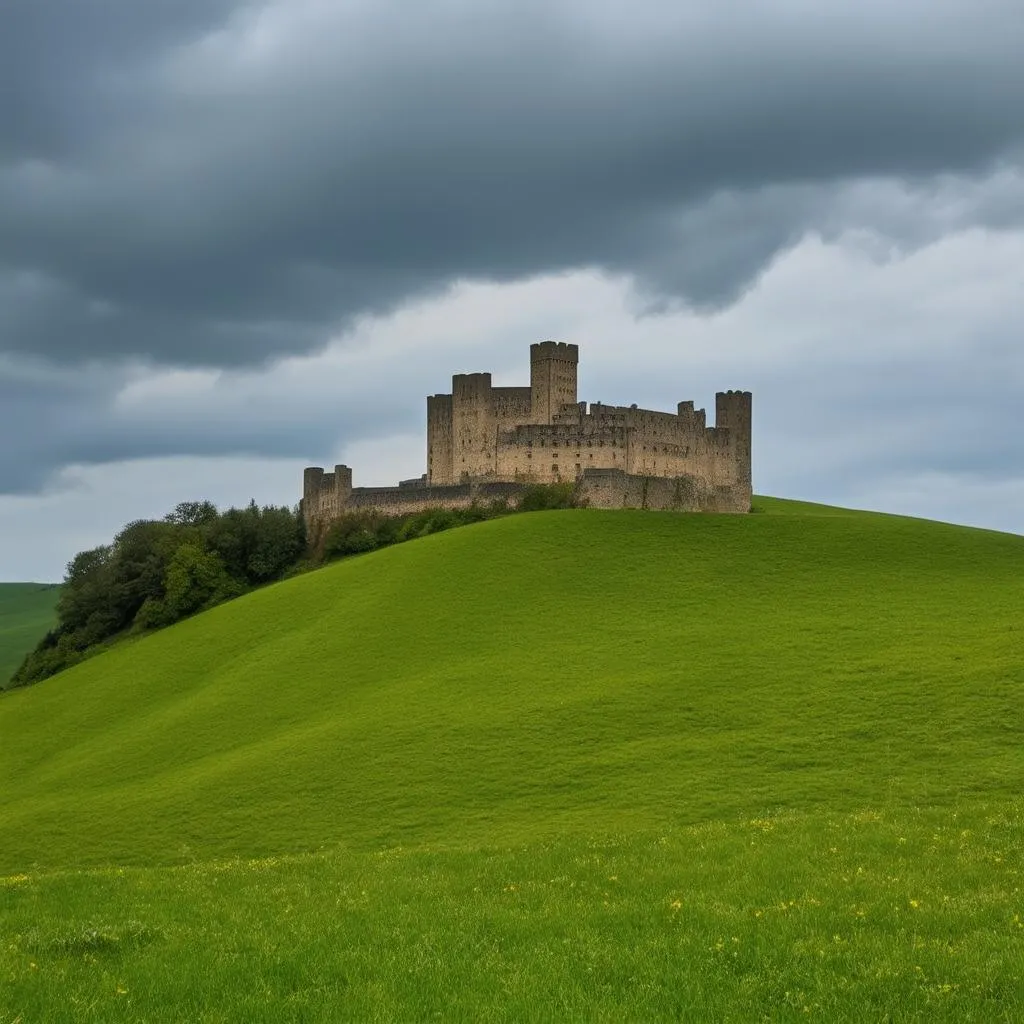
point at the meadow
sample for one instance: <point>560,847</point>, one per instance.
<point>572,765</point>
<point>27,611</point>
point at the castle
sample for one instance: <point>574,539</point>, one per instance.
<point>486,443</point>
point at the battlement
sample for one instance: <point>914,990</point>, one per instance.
<point>480,437</point>
<point>470,384</point>
<point>555,350</point>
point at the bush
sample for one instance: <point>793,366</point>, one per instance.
<point>541,497</point>
<point>158,571</point>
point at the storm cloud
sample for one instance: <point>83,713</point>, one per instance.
<point>215,185</point>
<point>213,214</point>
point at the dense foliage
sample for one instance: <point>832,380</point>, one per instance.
<point>156,572</point>
<point>358,532</point>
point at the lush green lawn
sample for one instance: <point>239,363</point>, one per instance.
<point>26,613</point>
<point>568,765</point>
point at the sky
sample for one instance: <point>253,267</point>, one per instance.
<point>240,237</point>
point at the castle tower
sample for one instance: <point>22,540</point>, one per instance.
<point>733,410</point>
<point>342,486</point>
<point>473,426</point>
<point>552,378</point>
<point>312,482</point>
<point>440,450</point>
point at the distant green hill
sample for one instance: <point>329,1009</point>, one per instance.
<point>534,675</point>
<point>27,611</point>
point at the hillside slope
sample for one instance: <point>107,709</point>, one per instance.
<point>556,673</point>
<point>27,611</point>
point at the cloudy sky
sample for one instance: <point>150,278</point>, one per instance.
<point>239,237</point>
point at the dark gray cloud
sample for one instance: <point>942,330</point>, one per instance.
<point>199,184</point>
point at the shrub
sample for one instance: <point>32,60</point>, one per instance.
<point>540,497</point>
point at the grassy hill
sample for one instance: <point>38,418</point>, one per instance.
<point>26,613</point>
<point>592,765</point>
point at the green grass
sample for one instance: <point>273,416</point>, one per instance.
<point>27,611</point>
<point>568,765</point>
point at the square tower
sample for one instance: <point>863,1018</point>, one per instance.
<point>552,378</point>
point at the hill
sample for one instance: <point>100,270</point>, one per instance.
<point>27,611</point>
<point>612,765</point>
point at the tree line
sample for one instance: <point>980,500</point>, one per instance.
<point>156,572</point>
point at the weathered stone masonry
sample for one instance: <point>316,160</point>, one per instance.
<point>486,443</point>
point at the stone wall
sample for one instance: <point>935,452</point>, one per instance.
<point>612,488</point>
<point>595,488</point>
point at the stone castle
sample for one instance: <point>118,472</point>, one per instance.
<point>486,443</point>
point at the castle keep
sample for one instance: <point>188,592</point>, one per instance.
<point>486,443</point>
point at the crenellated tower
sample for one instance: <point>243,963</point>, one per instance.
<point>733,411</point>
<point>552,378</point>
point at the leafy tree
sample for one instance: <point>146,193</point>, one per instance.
<point>192,513</point>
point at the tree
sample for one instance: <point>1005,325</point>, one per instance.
<point>192,513</point>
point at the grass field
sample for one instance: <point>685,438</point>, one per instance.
<point>26,613</point>
<point>570,765</point>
